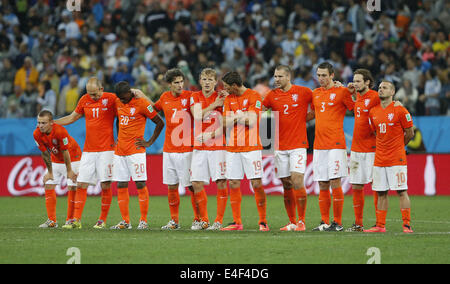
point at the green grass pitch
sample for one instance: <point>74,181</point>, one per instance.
<point>21,241</point>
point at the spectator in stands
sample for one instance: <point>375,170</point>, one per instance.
<point>408,96</point>
<point>400,34</point>
<point>27,73</point>
<point>13,104</point>
<point>432,93</point>
<point>68,98</point>
<point>28,101</point>
<point>46,99</point>
<point>7,74</point>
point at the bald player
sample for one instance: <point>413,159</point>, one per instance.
<point>99,110</point>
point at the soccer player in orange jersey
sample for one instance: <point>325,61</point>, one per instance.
<point>129,156</point>
<point>394,129</point>
<point>99,110</point>
<point>330,104</point>
<point>290,106</point>
<point>177,150</point>
<point>242,110</point>
<point>208,157</point>
<point>61,155</point>
<point>363,144</point>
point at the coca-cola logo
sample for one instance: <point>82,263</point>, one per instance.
<point>273,184</point>
<point>24,179</point>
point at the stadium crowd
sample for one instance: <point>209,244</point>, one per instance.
<point>47,53</point>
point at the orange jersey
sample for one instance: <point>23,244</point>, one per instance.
<point>363,136</point>
<point>57,141</point>
<point>291,108</point>
<point>244,138</point>
<point>99,116</point>
<point>208,124</point>
<point>330,107</point>
<point>132,118</point>
<point>179,122</point>
<point>389,124</point>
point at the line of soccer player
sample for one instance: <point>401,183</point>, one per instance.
<point>214,135</point>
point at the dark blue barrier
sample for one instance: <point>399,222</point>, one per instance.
<point>16,135</point>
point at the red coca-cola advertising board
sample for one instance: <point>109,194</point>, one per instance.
<point>22,176</point>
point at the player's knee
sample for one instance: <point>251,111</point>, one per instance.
<point>82,184</point>
<point>105,184</point>
<point>197,186</point>
<point>287,184</point>
<point>140,184</point>
<point>122,184</point>
<point>256,183</point>
<point>221,184</point>
<point>324,185</point>
<point>235,183</point>
<point>335,183</point>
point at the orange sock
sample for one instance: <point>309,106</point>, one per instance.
<point>80,201</point>
<point>381,218</point>
<point>50,204</point>
<point>222,198</point>
<point>201,200</point>
<point>70,204</point>
<point>358,205</point>
<point>300,201</point>
<point>324,204</point>
<point>143,202</point>
<point>174,204</point>
<point>260,198</point>
<point>338,204</point>
<point>195,207</point>
<point>289,204</point>
<point>406,216</point>
<point>124,201</point>
<point>106,203</point>
<point>235,202</point>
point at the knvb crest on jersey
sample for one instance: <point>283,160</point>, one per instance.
<point>390,116</point>
<point>295,97</point>
<point>332,96</point>
<point>105,102</point>
<point>245,102</point>
<point>132,110</point>
<point>366,102</point>
<point>184,102</point>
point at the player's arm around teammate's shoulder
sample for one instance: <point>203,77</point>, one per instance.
<point>68,119</point>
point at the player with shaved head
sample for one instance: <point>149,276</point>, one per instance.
<point>99,110</point>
